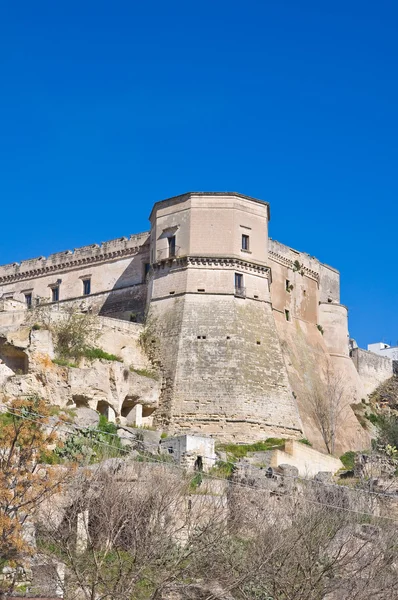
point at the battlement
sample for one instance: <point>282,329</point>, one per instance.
<point>294,259</point>
<point>93,253</point>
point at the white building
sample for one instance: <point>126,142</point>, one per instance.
<point>384,350</point>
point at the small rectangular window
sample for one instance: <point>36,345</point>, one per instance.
<point>245,242</point>
<point>55,293</point>
<point>287,285</point>
<point>86,287</point>
<point>147,268</point>
<point>287,315</point>
<point>240,290</point>
<point>238,280</point>
<point>28,300</point>
<point>172,246</point>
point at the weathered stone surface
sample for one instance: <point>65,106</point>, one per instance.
<point>86,417</point>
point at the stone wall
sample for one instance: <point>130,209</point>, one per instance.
<point>308,461</point>
<point>224,368</point>
<point>112,268</point>
<point>373,369</point>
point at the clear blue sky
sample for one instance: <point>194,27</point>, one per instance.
<point>107,107</point>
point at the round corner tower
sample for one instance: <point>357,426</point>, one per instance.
<point>211,318</point>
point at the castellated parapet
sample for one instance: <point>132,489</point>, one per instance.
<point>115,272</point>
<point>241,326</point>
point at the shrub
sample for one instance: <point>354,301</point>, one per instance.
<point>237,451</point>
<point>348,460</point>
<point>305,442</point>
<point>144,372</point>
<point>388,430</point>
<point>98,353</point>
<point>372,418</point>
<point>222,469</point>
<point>63,362</point>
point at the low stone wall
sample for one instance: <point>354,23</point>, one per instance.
<point>309,462</point>
<point>372,368</point>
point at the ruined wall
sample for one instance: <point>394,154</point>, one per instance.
<point>308,461</point>
<point>373,369</point>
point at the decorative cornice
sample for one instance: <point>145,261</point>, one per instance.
<point>287,262</point>
<point>70,262</point>
<point>222,262</point>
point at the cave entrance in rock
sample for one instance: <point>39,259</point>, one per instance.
<point>147,415</point>
<point>105,409</point>
<point>127,407</point>
<point>14,358</point>
<point>81,402</point>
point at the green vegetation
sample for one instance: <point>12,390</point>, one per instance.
<point>36,326</point>
<point>92,443</point>
<point>305,442</point>
<point>196,481</point>
<point>63,362</point>
<point>388,430</point>
<point>222,469</point>
<point>98,353</point>
<point>144,372</point>
<point>236,451</point>
<point>320,328</point>
<point>372,418</point>
<point>348,460</point>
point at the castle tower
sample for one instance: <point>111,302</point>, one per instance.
<point>211,322</point>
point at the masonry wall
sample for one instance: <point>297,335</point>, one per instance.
<point>210,225</point>
<point>111,267</point>
<point>226,373</point>
<point>309,462</point>
<point>373,369</point>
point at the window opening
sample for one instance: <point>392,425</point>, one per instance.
<point>172,246</point>
<point>287,315</point>
<point>55,293</point>
<point>28,300</point>
<point>86,287</point>
<point>240,290</point>
<point>245,242</point>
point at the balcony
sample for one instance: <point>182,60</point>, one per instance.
<point>166,253</point>
<point>240,292</point>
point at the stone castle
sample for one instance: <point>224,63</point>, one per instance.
<point>240,325</point>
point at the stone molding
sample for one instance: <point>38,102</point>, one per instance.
<point>64,261</point>
<point>222,262</point>
<point>287,262</point>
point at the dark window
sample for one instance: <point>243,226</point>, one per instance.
<point>238,280</point>
<point>240,290</point>
<point>287,315</point>
<point>86,287</point>
<point>28,300</point>
<point>245,242</point>
<point>172,246</point>
<point>147,268</point>
<point>55,293</point>
<point>287,285</point>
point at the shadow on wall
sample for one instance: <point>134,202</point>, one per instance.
<point>127,300</point>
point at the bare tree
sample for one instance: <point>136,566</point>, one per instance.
<point>133,530</point>
<point>328,399</point>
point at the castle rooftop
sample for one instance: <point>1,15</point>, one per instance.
<point>187,195</point>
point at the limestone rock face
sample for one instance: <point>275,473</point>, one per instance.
<point>109,387</point>
<point>5,373</point>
